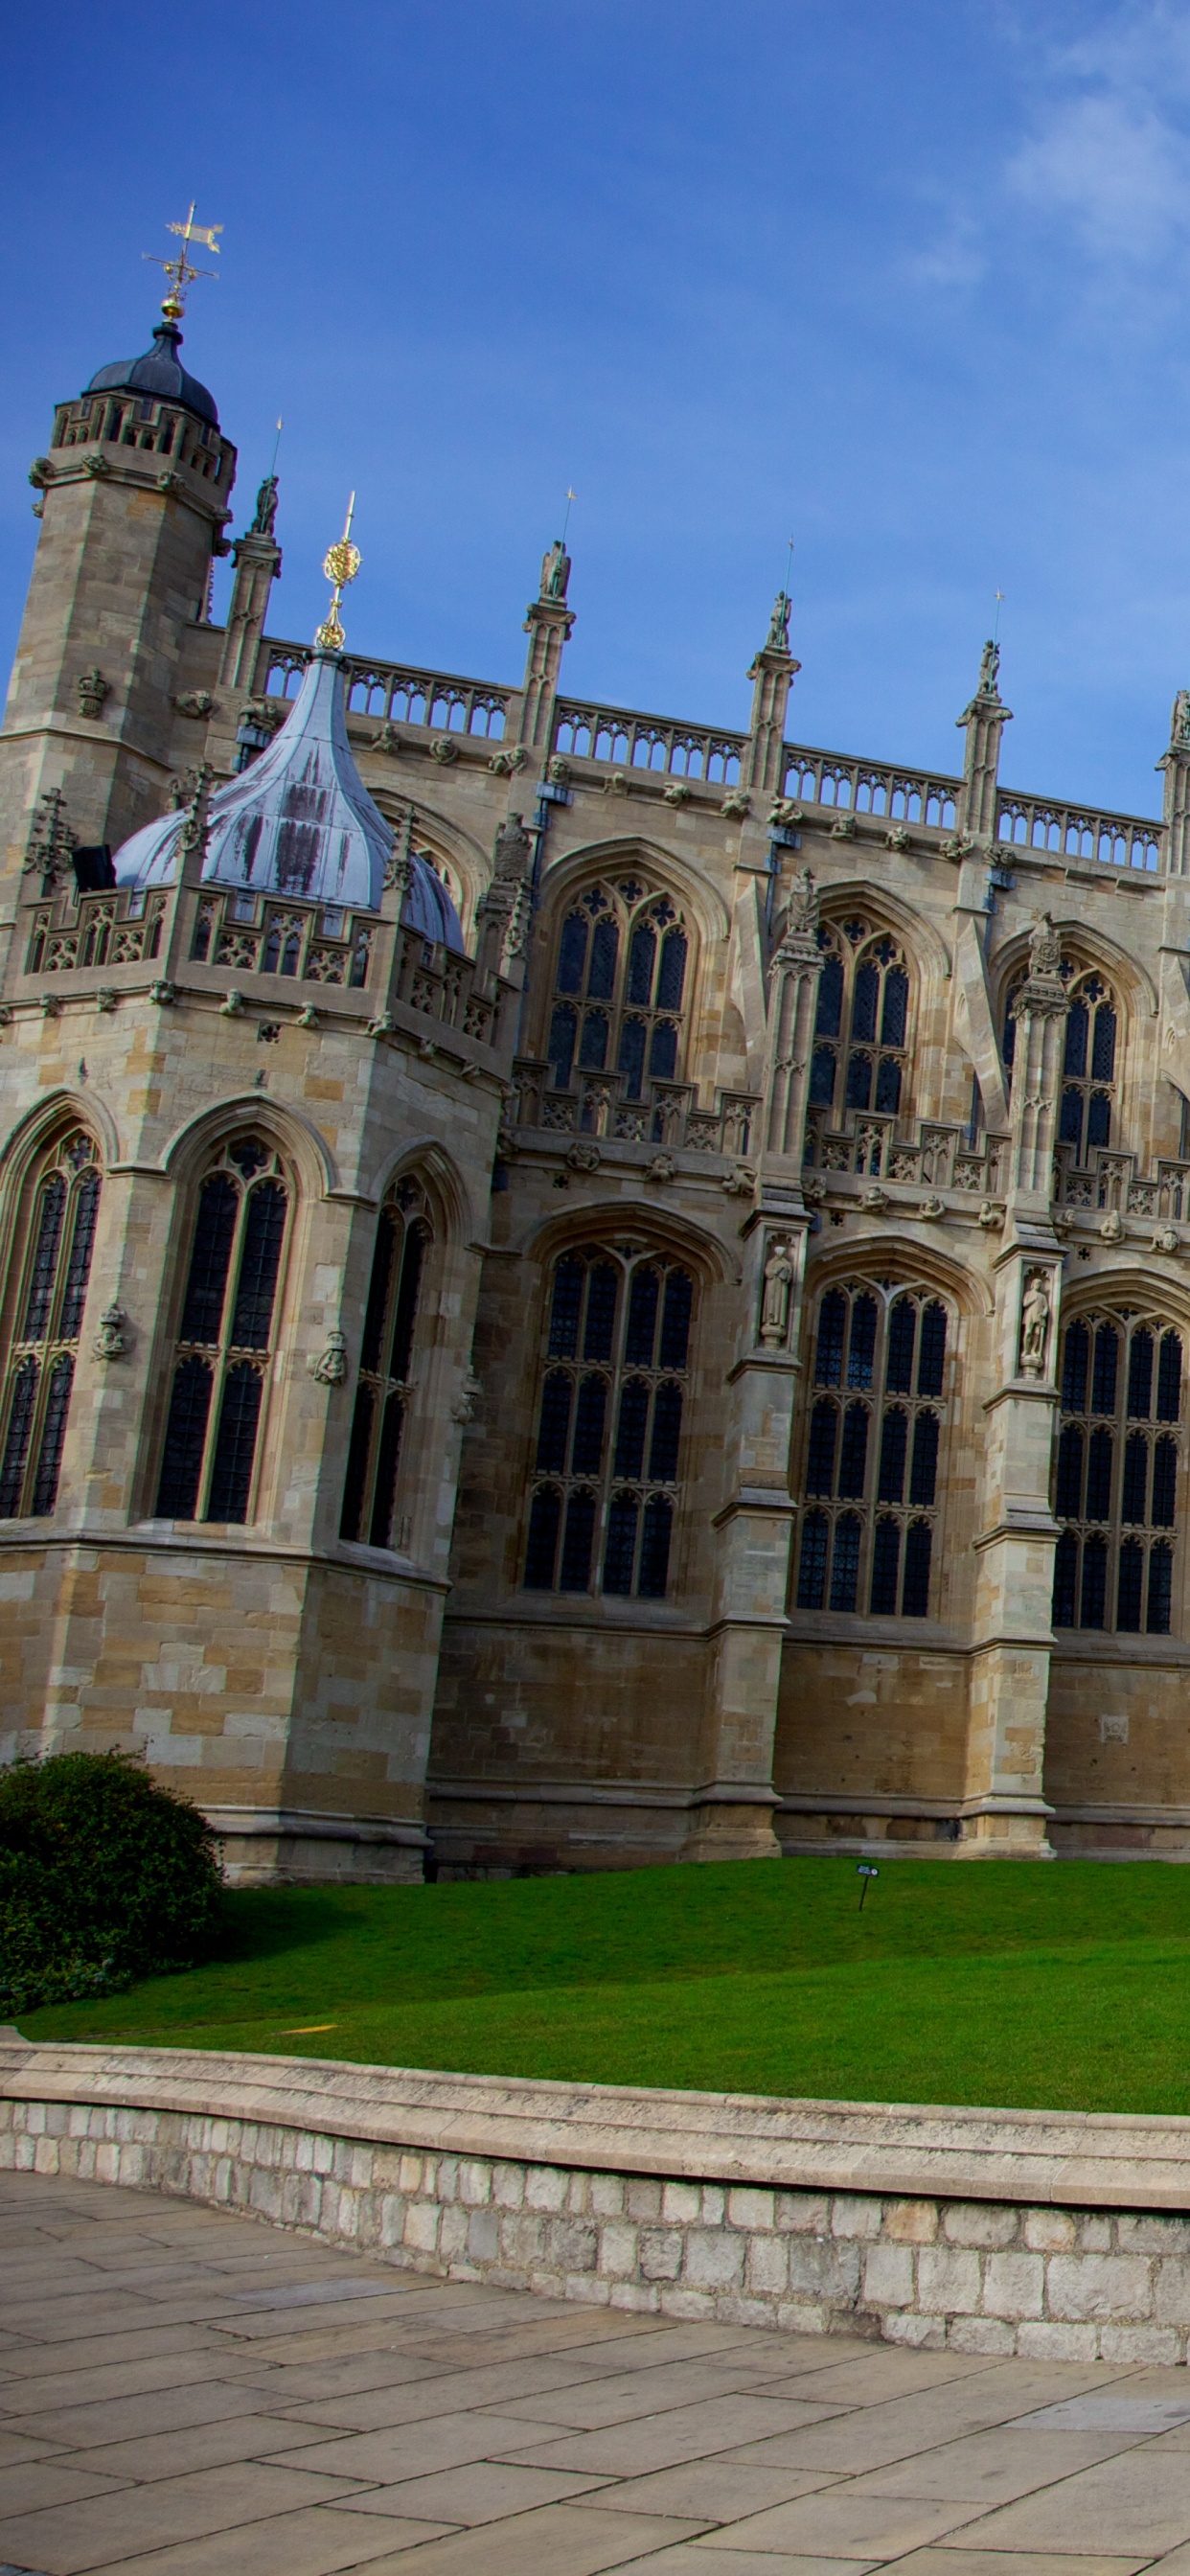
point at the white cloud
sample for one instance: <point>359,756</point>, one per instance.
<point>1120,172</point>
<point>954,259</point>
<point>1110,152</point>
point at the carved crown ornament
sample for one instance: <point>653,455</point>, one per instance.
<point>329,1367</point>
<point>92,690</point>
<point>111,1340</point>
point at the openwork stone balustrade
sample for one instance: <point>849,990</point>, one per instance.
<point>1043,2233</point>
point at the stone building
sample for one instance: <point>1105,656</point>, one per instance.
<point>577,1288</point>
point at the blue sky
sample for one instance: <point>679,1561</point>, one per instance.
<point>902,278</point>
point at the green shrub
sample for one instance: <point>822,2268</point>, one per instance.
<point>103,1877</point>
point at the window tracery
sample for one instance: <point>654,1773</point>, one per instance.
<point>873,1450</point>
<point>609,1426</point>
<point>1089,1103</point>
<point>1116,1473</point>
<point>861,1028</point>
<point>620,986</point>
<point>48,1277</point>
<point>403,1237</point>
<point>225,1346</point>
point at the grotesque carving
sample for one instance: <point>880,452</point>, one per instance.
<point>582,1156</point>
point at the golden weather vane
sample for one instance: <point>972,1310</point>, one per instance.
<point>340,565</point>
<point>179,270</point>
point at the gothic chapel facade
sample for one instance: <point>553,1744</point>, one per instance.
<point>575,1289</point>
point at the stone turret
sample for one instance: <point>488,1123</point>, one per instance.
<point>134,493</point>
<point>772,674</point>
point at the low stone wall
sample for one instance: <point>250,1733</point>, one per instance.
<point>797,2249</point>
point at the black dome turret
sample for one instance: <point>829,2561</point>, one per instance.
<point>159,373</point>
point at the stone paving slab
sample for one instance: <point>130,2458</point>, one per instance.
<point>187,2393</point>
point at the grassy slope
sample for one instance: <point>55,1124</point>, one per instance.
<point>990,1982</point>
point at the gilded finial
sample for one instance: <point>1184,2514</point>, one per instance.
<point>340,565</point>
<point>179,271</point>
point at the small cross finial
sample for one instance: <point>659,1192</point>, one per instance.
<point>179,270</point>
<point>340,565</point>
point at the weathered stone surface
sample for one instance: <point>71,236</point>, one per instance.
<point>423,2168</point>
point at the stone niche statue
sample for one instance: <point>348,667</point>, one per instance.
<point>555,571</point>
<point>774,1306</point>
<point>266,508</point>
<point>801,911</point>
<point>513,851</point>
<point>1035,1323</point>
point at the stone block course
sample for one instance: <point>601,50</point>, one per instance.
<point>986,2278</point>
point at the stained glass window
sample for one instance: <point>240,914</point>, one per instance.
<point>1116,1473</point>
<point>403,1237</point>
<point>872,1452</point>
<point>48,1291</point>
<point>608,1441</point>
<point>621,988</point>
<point>225,1337</point>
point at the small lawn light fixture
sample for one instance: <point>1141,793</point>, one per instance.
<point>866,1869</point>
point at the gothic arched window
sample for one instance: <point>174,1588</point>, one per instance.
<point>873,1451</point>
<point>861,1031</point>
<point>47,1288</point>
<point>403,1237</point>
<point>609,1425</point>
<point>1116,1476</point>
<point>620,987</point>
<point>225,1345</point>
<point>1089,1058</point>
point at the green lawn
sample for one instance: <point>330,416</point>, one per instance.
<point>1062,1986</point>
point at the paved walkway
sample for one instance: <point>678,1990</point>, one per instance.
<point>185,2394</point>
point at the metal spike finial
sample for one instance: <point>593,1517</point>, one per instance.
<point>340,565</point>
